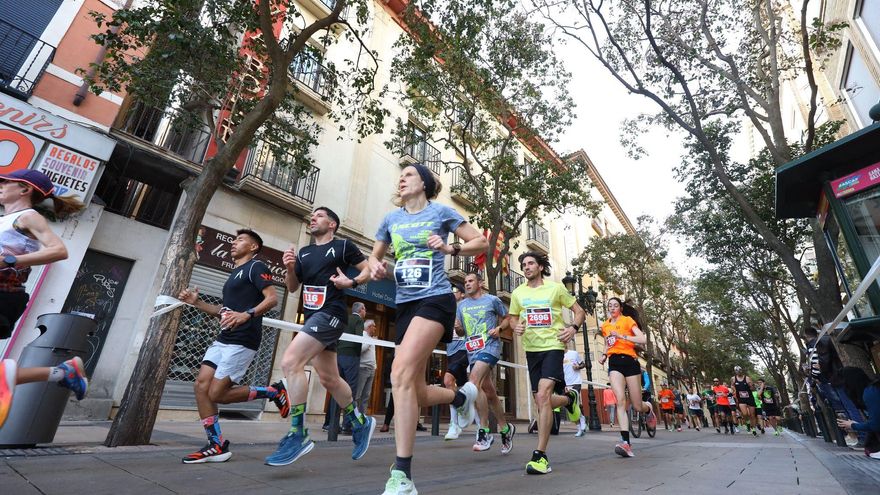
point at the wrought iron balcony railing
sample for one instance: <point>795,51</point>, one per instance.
<point>420,151</point>
<point>262,164</point>
<point>306,69</point>
<point>23,60</point>
<point>181,133</point>
<point>538,233</point>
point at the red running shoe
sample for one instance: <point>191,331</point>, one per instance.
<point>7,387</point>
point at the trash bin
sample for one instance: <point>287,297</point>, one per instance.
<point>37,407</point>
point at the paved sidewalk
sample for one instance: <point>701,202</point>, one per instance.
<point>672,463</point>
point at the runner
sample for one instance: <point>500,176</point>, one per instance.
<point>247,295</point>
<point>483,317</point>
<point>25,241</point>
<point>770,400</point>
<point>572,365</point>
<point>646,388</point>
<point>621,334</point>
<point>722,407</point>
<point>709,397</point>
<point>678,401</point>
<point>320,269</point>
<point>759,412</point>
<point>695,408</point>
<point>667,406</point>
<point>425,305</point>
<point>456,374</point>
<point>537,307</point>
<point>742,385</point>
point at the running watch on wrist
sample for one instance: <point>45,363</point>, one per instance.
<point>10,261</point>
<point>456,248</point>
<point>252,312</point>
<point>354,283</point>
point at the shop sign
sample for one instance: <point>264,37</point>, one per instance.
<point>378,291</point>
<point>72,173</point>
<point>855,182</point>
<point>214,247</point>
<point>18,150</point>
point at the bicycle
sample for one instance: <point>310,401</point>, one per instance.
<point>638,422</point>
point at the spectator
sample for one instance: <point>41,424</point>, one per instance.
<point>865,394</point>
<point>823,366</point>
<point>367,369</point>
<point>610,401</point>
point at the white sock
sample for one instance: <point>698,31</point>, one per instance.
<point>56,374</point>
<point>453,415</point>
<point>583,423</point>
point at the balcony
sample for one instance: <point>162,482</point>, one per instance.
<point>516,279</point>
<point>279,183</point>
<point>459,267</point>
<point>23,60</point>
<point>322,8</point>
<point>462,190</point>
<point>181,133</point>
<point>314,81</point>
<point>417,150</point>
<point>538,238</point>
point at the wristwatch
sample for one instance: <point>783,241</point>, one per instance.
<point>572,325</point>
<point>354,283</point>
<point>10,261</point>
<point>252,312</point>
<point>456,248</point>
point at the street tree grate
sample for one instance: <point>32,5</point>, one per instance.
<point>35,452</point>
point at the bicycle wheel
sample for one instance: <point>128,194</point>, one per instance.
<point>635,426</point>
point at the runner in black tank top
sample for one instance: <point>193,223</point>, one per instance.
<point>742,386</point>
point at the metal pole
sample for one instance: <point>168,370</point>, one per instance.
<point>435,420</point>
<point>333,427</point>
<point>595,424</point>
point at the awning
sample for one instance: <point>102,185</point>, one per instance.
<point>799,182</point>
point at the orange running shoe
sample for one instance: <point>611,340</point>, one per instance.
<point>7,387</point>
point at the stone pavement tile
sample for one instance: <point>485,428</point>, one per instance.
<point>53,475</point>
<point>12,482</point>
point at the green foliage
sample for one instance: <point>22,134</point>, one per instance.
<point>196,56</point>
<point>480,79</point>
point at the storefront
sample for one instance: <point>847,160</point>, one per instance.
<point>839,185</point>
<point>198,330</point>
<point>73,157</point>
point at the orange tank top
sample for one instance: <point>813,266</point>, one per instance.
<point>624,326</point>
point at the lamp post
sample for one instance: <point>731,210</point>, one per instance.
<point>588,301</point>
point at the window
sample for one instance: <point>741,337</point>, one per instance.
<point>140,196</point>
<point>868,15</point>
<point>862,91</point>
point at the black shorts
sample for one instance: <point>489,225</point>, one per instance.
<point>759,411</point>
<point>679,410</point>
<point>546,364</point>
<point>457,366</point>
<point>12,306</point>
<point>722,409</point>
<point>623,364</point>
<point>696,412</point>
<point>646,396</point>
<point>435,308</point>
<point>771,411</point>
<point>745,402</point>
<point>325,328</point>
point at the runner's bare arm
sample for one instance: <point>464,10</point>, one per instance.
<point>639,337</point>
<point>459,330</point>
<point>232,319</point>
<point>191,296</point>
<point>52,247</point>
<point>378,270</point>
<point>474,242</point>
<point>289,260</point>
<point>604,355</point>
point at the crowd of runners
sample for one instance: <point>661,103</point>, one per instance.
<point>428,312</point>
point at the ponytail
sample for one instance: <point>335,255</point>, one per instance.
<point>62,206</point>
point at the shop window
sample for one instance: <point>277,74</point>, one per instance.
<point>864,208</point>
<point>861,89</point>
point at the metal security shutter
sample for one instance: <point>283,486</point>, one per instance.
<point>21,24</point>
<point>196,332</point>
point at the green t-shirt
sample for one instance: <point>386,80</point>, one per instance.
<point>541,308</point>
<point>757,397</point>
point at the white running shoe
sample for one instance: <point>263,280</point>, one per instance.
<point>484,441</point>
<point>453,433</point>
<point>399,484</point>
<point>580,432</point>
<point>467,411</point>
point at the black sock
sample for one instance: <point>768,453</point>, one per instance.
<point>404,464</point>
<point>537,454</point>
<point>459,399</point>
<point>624,435</point>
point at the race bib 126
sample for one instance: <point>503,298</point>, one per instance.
<point>413,272</point>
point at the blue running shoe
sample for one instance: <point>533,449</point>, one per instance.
<point>74,377</point>
<point>292,447</point>
<point>361,434</point>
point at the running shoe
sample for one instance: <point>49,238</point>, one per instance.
<point>623,449</point>
<point>484,441</point>
<point>507,439</point>
<point>678,429</point>
<point>453,433</point>
<point>651,420</point>
<point>698,428</point>
<point>467,411</point>
<point>754,432</point>
<point>7,387</point>
<point>538,465</point>
<point>281,400</point>
<point>574,409</point>
<point>719,429</point>
<point>580,432</point>
<point>292,447</point>
<point>874,455</point>
<point>361,435</point>
<point>74,377</point>
<point>209,453</point>
<point>775,433</point>
<point>399,484</point>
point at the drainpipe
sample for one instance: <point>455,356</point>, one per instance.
<point>84,87</point>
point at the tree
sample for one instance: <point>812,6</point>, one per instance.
<point>683,56</point>
<point>224,65</point>
<point>480,78</point>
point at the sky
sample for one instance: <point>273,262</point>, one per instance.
<point>644,186</point>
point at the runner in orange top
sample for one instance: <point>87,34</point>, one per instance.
<point>667,405</point>
<point>722,407</point>
<point>621,335</point>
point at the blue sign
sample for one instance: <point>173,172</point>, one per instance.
<point>377,291</point>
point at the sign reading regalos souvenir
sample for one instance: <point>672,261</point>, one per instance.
<point>214,249</point>
<point>857,181</point>
<point>71,172</point>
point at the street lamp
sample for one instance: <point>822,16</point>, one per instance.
<point>588,301</point>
